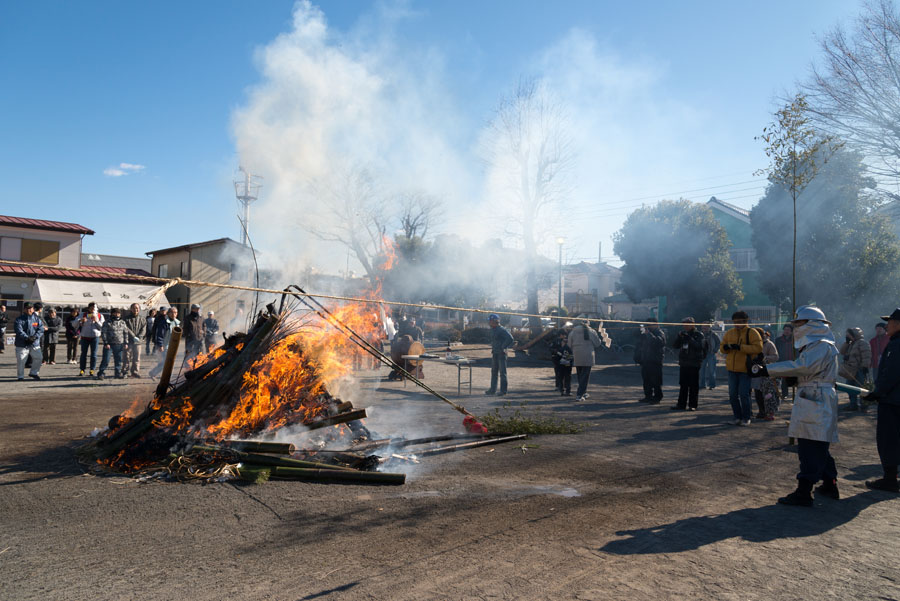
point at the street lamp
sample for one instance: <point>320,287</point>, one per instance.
<point>560,242</point>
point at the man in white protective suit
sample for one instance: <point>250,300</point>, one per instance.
<point>814,416</point>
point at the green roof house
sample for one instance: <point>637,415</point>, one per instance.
<point>736,222</point>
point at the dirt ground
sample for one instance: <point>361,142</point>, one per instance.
<point>647,503</point>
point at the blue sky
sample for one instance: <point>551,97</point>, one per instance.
<point>665,98</point>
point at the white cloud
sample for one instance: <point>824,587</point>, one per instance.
<point>123,169</point>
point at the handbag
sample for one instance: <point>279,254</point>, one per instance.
<point>751,360</point>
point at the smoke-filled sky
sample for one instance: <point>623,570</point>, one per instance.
<point>131,119</point>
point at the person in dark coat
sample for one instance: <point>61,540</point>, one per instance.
<point>4,321</point>
<point>708,367</point>
<point>887,393</point>
<point>148,333</point>
<point>649,353</point>
<point>192,333</point>
<point>210,331</point>
<point>501,340</point>
<point>561,354</point>
<point>73,333</point>
<point>784,344</point>
<point>161,326</point>
<point>53,324</point>
<point>692,349</point>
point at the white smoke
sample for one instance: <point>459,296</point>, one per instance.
<point>331,102</point>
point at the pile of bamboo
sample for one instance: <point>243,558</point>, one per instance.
<point>174,421</point>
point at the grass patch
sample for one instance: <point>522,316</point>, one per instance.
<point>518,421</point>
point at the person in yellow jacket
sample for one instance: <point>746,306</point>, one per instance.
<point>738,344</point>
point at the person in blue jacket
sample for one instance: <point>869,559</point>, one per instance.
<point>29,329</point>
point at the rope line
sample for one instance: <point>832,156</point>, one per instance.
<point>167,283</point>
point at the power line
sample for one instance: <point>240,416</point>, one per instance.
<point>682,192</point>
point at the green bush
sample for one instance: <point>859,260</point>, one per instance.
<point>476,336</point>
<point>519,422</point>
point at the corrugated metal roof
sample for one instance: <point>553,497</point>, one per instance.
<point>95,260</point>
<point>109,273</point>
<point>43,224</point>
<point>195,245</point>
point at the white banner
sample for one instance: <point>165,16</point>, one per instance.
<point>78,293</point>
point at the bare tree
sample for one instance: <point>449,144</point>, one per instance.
<point>796,150</point>
<point>355,216</point>
<point>419,212</point>
<point>530,144</point>
<point>855,94</point>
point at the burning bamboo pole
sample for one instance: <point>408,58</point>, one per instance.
<point>273,460</point>
<point>258,446</point>
<point>334,420</point>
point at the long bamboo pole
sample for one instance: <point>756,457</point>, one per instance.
<point>330,475</point>
<point>470,445</point>
<point>169,362</point>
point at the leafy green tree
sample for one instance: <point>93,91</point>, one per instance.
<point>796,150</point>
<point>848,252</point>
<point>678,249</point>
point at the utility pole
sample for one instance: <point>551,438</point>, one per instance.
<point>247,191</point>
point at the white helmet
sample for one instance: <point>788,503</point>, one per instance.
<point>810,312</point>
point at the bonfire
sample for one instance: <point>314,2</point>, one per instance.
<point>218,419</point>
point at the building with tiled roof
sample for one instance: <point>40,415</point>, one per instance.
<point>55,274</point>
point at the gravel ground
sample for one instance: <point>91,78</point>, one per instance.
<point>647,503</point>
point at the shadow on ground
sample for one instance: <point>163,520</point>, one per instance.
<point>759,524</point>
<point>49,463</point>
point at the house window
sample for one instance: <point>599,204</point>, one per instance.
<point>184,270</point>
<point>744,259</point>
<point>162,271</point>
<point>40,251</point>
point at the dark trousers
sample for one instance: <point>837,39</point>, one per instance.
<point>816,462</point>
<point>651,373</point>
<point>192,348</point>
<point>689,381</point>
<point>50,355</point>
<point>887,435</point>
<point>116,351</point>
<point>2,339</point>
<point>498,370</point>
<point>584,376</point>
<point>565,376</point>
<point>71,349</point>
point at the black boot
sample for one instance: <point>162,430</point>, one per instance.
<point>829,489</point>
<point>802,496</point>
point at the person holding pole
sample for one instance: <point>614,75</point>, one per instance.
<point>814,415</point>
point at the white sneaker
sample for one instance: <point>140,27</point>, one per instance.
<point>736,422</point>
<point>744,423</point>
<point>586,395</point>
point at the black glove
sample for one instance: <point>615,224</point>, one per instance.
<point>759,370</point>
<point>731,347</point>
<point>31,339</point>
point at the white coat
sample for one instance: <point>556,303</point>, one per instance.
<point>583,350</point>
<point>814,415</point>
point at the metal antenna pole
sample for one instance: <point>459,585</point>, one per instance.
<point>246,191</point>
